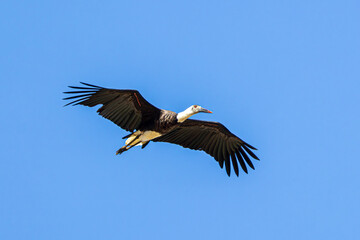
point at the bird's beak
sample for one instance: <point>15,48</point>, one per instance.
<point>205,110</point>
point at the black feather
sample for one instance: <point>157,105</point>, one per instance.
<point>77,101</point>
<point>74,92</point>
<point>127,136</point>
<point>219,151</point>
<point>250,152</point>
<point>247,159</point>
<point>85,88</point>
<point>90,85</point>
<point>234,163</point>
<point>145,144</point>
<point>241,161</point>
<point>77,96</point>
<point>250,146</point>
<point>227,166</point>
<point>211,145</point>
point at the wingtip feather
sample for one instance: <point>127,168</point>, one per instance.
<point>250,153</point>
<point>248,145</point>
<point>90,85</point>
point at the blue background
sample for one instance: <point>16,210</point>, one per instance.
<point>282,75</point>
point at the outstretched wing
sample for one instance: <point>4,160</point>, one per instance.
<point>214,139</point>
<point>126,108</point>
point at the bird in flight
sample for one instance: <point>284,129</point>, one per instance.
<point>129,110</point>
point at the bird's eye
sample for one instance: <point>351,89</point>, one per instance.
<point>195,106</point>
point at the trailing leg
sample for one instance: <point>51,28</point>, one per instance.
<point>128,145</point>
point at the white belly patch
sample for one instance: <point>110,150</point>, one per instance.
<point>149,135</point>
<point>144,137</point>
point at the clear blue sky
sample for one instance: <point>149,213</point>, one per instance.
<point>282,75</point>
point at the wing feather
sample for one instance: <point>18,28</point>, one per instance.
<point>219,151</point>
<point>126,108</point>
<point>241,161</point>
<point>247,159</point>
<point>250,152</point>
<point>234,163</point>
<point>210,147</point>
<point>214,139</point>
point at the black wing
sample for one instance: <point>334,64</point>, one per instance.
<point>126,108</point>
<point>214,139</point>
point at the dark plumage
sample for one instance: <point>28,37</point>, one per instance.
<point>130,111</point>
<point>214,139</point>
<point>126,108</point>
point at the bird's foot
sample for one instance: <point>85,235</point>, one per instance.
<point>121,150</point>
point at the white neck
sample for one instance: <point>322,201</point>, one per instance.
<point>182,116</point>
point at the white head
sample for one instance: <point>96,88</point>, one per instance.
<point>182,116</point>
<point>197,109</point>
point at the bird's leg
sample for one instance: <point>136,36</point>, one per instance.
<point>123,149</point>
<point>127,146</point>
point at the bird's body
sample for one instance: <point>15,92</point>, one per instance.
<point>129,110</point>
<point>165,122</point>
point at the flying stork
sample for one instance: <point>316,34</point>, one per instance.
<point>129,110</point>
